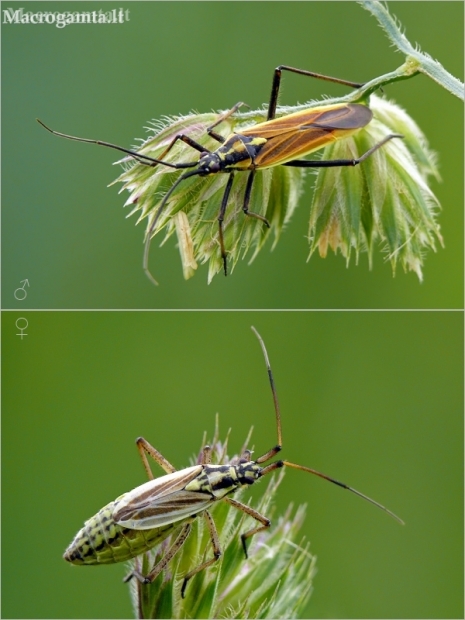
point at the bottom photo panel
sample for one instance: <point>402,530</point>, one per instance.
<point>232,465</point>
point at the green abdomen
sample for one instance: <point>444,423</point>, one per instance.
<point>102,541</point>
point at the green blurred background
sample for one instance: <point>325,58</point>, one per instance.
<point>65,231</point>
<point>373,398</point>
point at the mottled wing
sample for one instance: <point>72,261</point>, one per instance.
<point>301,133</point>
<point>161,501</point>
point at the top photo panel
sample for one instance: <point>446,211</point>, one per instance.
<point>242,155</point>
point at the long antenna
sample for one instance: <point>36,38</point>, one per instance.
<point>135,154</point>
<point>277,464</point>
<point>272,385</point>
<point>146,161</point>
<point>344,486</point>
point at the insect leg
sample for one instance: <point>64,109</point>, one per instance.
<point>224,203</point>
<point>161,160</point>
<point>304,163</point>
<point>181,136</point>
<point>222,118</point>
<point>178,543</point>
<point>265,522</point>
<point>277,81</point>
<point>245,206</point>
<point>145,448</point>
<point>216,551</point>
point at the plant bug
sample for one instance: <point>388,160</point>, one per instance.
<point>142,518</point>
<point>274,142</point>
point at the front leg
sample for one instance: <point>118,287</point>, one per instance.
<point>218,137</point>
<point>265,522</point>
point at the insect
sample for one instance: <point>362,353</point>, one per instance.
<point>277,141</point>
<point>142,518</point>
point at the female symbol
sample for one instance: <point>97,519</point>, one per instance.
<point>21,329</point>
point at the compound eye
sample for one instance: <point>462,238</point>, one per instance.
<point>214,166</point>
